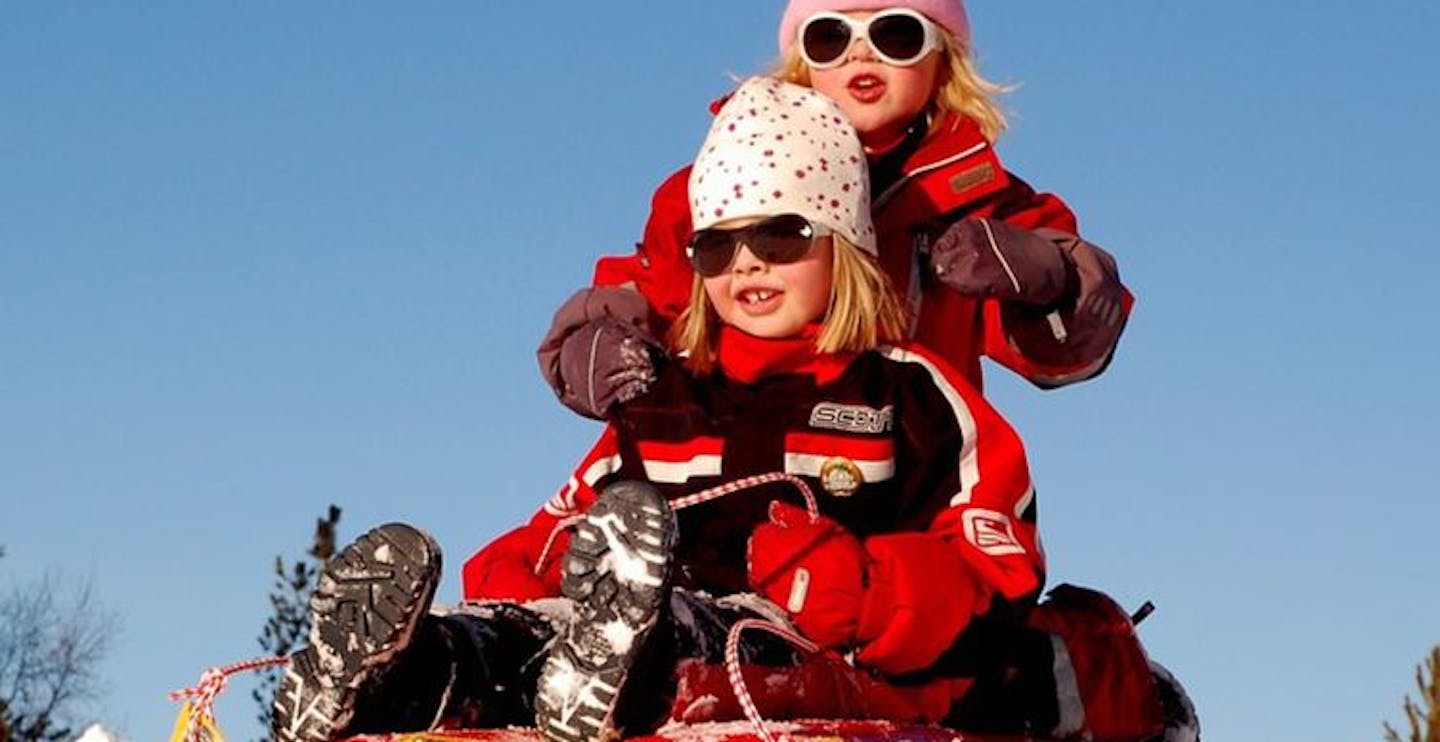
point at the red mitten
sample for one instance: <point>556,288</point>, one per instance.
<point>921,595</point>
<point>505,568</point>
<point>813,569</point>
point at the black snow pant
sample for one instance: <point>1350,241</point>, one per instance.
<point>478,665</point>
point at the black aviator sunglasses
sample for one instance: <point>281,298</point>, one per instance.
<point>778,239</point>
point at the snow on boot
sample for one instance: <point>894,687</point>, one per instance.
<point>617,574</point>
<point>366,607</point>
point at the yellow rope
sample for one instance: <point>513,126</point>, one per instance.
<point>204,729</point>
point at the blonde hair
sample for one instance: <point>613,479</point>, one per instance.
<point>864,312</point>
<point>959,88</point>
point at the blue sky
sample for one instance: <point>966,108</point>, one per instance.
<point>256,258</point>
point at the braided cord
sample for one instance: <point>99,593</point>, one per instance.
<point>202,695</point>
<point>737,678</point>
<point>747,482</point>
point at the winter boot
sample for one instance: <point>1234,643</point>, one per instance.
<point>365,612</point>
<point>617,574</point>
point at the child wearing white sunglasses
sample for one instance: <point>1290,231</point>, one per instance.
<point>987,266</point>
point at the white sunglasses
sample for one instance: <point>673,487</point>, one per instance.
<point>898,36</point>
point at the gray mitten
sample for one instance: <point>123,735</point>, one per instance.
<point>603,363</point>
<point>992,259</point>
<point>584,356</point>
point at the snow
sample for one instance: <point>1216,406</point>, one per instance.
<point>97,733</point>
<point>701,707</point>
<point>720,731</point>
<point>627,567</point>
<point>778,682</point>
<point>561,683</point>
<point>620,637</point>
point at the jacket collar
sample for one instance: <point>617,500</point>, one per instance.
<point>888,166</point>
<point>747,359</point>
<point>954,165</point>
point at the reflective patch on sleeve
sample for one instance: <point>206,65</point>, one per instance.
<point>991,532</point>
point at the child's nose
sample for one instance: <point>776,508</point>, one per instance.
<point>746,261</point>
<point>860,51</point>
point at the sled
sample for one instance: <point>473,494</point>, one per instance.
<point>196,723</point>
<point>810,730</point>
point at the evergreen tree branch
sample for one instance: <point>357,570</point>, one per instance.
<point>1422,716</point>
<point>288,626</point>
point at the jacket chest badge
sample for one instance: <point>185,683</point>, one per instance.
<point>840,476</point>
<point>972,177</point>
<point>852,418</point>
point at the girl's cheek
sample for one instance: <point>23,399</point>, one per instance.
<point>914,87</point>
<point>717,289</point>
<point>830,84</point>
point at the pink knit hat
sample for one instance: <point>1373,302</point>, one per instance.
<point>950,14</point>
<point>777,148</point>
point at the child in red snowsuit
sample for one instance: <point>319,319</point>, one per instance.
<point>986,265</point>
<point>917,561</point>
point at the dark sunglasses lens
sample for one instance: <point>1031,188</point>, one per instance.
<point>900,37</point>
<point>711,251</point>
<point>825,39</point>
<point>782,239</point>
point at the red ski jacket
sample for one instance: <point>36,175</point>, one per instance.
<point>891,442</point>
<point>954,174</point>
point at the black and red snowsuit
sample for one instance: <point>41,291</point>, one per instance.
<point>937,467</point>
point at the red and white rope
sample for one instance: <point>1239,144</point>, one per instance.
<point>555,532</point>
<point>680,503</point>
<point>730,487</point>
<point>212,683</point>
<point>732,640</point>
<point>737,677</point>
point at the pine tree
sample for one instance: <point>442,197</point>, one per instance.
<point>1424,715</point>
<point>289,625</point>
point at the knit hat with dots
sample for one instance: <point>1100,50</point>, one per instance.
<point>778,148</point>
